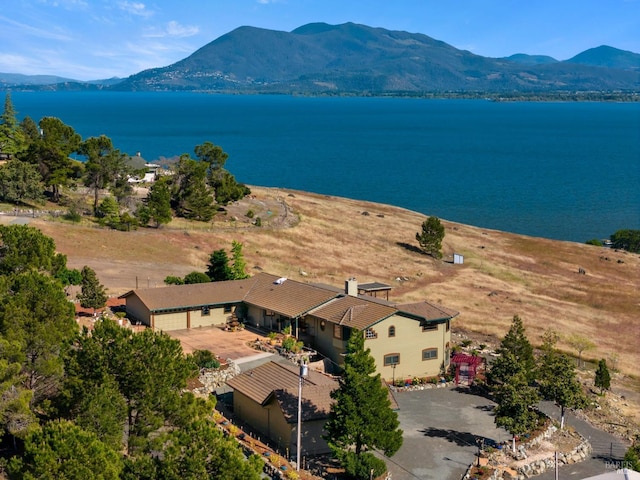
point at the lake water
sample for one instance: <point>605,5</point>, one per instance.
<point>567,171</point>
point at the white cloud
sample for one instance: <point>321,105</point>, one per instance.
<point>52,33</point>
<point>174,29</point>
<point>135,8</point>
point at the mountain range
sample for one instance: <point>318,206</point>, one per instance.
<point>360,60</point>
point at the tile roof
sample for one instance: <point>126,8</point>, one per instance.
<point>354,312</point>
<point>289,298</point>
<point>281,381</point>
<point>183,296</point>
<point>427,311</point>
<point>286,297</point>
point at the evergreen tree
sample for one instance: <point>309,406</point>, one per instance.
<point>25,248</point>
<point>431,236</point>
<point>196,277</point>
<point>516,343</point>
<point>64,451</point>
<point>632,456</point>
<point>218,269</point>
<point>20,182</point>
<point>603,377</point>
<point>50,152</point>
<point>104,164</point>
<point>557,378</point>
<point>12,138</point>
<point>92,293</point>
<point>516,401</point>
<point>37,317</point>
<point>159,203</point>
<point>238,268</point>
<point>361,418</point>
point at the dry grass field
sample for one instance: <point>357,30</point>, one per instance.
<point>319,238</point>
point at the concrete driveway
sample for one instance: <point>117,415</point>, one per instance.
<point>441,429</point>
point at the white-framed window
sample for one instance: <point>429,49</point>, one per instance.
<point>430,354</point>
<point>391,359</point>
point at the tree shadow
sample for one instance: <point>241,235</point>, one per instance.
<point>462,439</point>
<point>475,390</point>
<point>409,247</point>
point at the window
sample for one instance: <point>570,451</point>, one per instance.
<point>391,359</point>
<point>392,331</point>
<point>430,354</point>
<point>448,325</point>
<point>205,310</point>
<point>337,331</point>
<point>227,308</point>
<point>370,333</point>
<point>429,327</point>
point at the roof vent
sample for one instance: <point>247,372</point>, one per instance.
<point>280,281</point>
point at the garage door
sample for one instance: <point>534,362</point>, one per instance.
<point>171,321</point>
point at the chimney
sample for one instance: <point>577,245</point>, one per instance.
<point>351,287</point>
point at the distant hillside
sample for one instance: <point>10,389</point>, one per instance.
<point>8,79</point>
<point>525,59</point>
<point>357,59</point>
<point>51,82</point>
<point>609,57</point>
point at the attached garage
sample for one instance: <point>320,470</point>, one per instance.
<point>169,321</point>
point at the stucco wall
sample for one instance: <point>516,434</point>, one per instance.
<point>137,311</point>
<point>409,342</point>
<point>216,317</point>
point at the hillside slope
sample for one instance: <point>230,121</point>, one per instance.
<point>358,59</point>
<point>326,239</point>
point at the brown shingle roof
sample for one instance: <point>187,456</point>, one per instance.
<point>428,311</point>
<point>281,380</point>
<point>354,312</point>
<point>289,297</point>
<point>182,296</point>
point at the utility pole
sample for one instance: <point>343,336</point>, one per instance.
<point>304,371</point>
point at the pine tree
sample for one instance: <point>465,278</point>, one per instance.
<point>239,265</point>
<point>603,377</point>
<point>12,139</point>
<point>218,268</point>
<point>430,238</point>
<point>516,343</point>
<point>361,418</point>
<point>92,294</point>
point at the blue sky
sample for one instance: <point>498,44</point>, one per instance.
<point>93,39</point>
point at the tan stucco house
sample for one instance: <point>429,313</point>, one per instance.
<point>266,398</point>
<point>406,340</point>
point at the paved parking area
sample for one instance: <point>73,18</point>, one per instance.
<point>441,429</point>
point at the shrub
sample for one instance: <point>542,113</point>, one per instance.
<point>258,222</point>
<point>466,343</point>
<point>361,466</point>
<point>249,214</point>
<point>594,241</point>
<point>205,359</point>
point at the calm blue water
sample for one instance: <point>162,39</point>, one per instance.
<point>568,171</point>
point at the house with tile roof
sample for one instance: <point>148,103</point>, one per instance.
<point>266,398</point>
<point>406,340</point>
